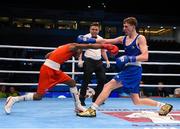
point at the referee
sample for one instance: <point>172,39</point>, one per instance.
<point>93,63</point>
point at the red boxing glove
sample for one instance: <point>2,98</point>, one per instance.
<point>114,51</point>
<point>108,46</point>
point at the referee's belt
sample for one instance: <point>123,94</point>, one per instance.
<point>51,64</point>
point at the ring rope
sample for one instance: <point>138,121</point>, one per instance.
<point>76,61</point>
<point>52,48</point>
<point>29,60</point>
<point>78,84</point>
<point>77,73</point>
<point>27,47</point>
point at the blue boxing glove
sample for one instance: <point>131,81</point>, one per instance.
<point>123,60</point>
<point>84,39</point>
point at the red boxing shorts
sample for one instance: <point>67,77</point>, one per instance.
<point>49,77</point>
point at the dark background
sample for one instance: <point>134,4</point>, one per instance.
<point>167,11</point>
<point>109,12</point>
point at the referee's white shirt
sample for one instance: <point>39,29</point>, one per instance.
<point>94,54</point>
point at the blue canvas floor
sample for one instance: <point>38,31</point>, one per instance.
<point>116,113</point>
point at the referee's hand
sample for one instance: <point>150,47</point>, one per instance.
<point>108,65</point>
<point>80,63</point>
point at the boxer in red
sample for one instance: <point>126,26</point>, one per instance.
<point>51,73</point>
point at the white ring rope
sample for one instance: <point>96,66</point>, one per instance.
<point>33,84</point>
<point>76,61</point>
<point>29,60</point>
<point>80,73</point>
<point>52,48</point>
<point>21,59</point>
<point>27,47</point>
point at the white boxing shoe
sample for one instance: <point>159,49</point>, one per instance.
<point>9,103</point>
<point>79,109</point>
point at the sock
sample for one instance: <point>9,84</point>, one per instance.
<point>75,96</point>
<point>28,96</point>
<point>94,106</point>
<point>160,104</point>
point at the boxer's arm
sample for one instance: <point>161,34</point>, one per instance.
<point>142,43</point>
<point>110,41</point>
<point>111,48</point>
<point>83,39</point>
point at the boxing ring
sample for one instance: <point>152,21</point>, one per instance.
<point>54,112</point>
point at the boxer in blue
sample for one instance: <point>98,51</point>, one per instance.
<point>136,51</point>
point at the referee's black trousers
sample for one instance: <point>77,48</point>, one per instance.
<point>89,67</point>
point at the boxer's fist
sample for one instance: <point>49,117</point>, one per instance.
<point>84,39</point>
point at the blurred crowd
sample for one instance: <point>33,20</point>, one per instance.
<point>8,91</point>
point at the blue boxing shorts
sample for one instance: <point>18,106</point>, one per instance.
<point>130,78</point>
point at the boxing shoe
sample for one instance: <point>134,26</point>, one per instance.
<point>9,103</point>
<point>88,113</point>
<point>165,109</point>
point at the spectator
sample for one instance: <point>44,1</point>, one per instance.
<point>163,91</point>
<point>3,93</point>
<point>160,89</point>
<point>13,92</point>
